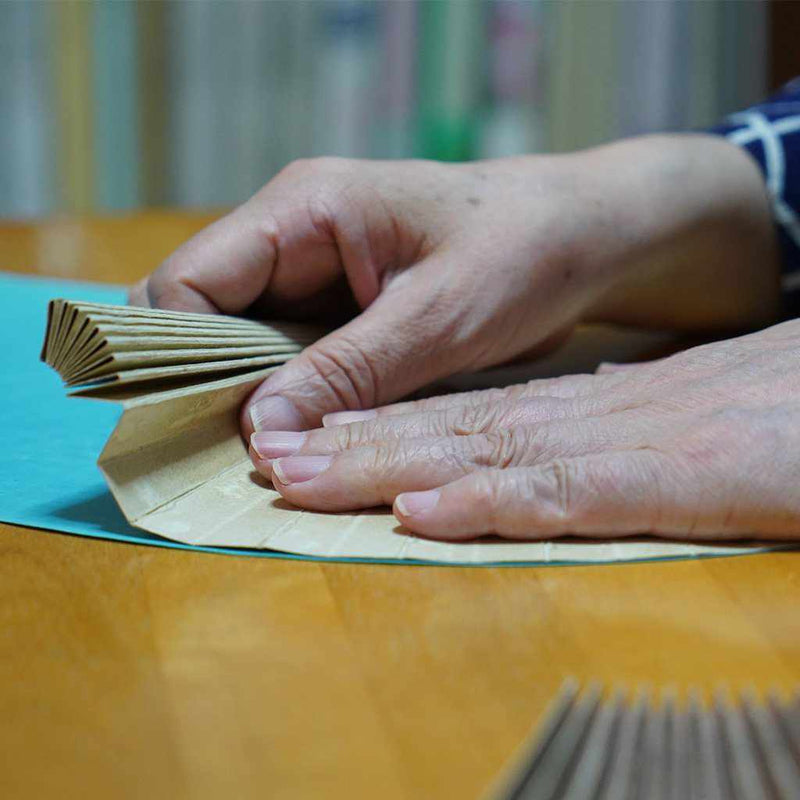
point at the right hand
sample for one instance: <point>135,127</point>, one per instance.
<point>454,267</point>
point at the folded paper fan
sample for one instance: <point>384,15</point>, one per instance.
<point>177,466</point>
<point>94,345</point>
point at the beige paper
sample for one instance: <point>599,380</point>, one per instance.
<point>177,466</point>
<point>91,343</point>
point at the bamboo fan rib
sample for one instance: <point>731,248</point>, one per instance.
<point>91,344</point>
<point>596,747</point>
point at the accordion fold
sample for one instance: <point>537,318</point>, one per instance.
<point>95,345</point>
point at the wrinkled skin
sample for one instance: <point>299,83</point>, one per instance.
<point>440,269</point>
<point>701,444</point>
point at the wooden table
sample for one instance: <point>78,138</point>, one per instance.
<point>130,671</point>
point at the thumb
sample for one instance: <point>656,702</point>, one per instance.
<point>392,348</point>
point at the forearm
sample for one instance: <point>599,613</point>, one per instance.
<point>692,244</point>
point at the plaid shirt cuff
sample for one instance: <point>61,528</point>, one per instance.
<point>770,132</point>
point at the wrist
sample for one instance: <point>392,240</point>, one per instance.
<point>689,242</point>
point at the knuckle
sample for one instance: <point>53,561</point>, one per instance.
<point>318,168</point>
<point>347,373</point>
<point>316,175</point>
<point>334,201</point>
<point>500,449</point>
<point>437,423</point>
<point>353,435</point>
<point>556,487</point>
<point>467,420</point>
<point>382,460</point>
<point>331,165</point>
<point>298,167</point>
<point>292,173</point>
<point>347,437</point>
<point>321,213</point>
<point>388,466</point>
<point>267,229</point>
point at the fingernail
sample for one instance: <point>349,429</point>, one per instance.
<point>276,444</point>
<point>276,413</point>
<point>299,469</point>
<point>343,417</point>
<point>412,503</point>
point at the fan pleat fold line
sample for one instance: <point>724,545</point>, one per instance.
<point>98,345</point>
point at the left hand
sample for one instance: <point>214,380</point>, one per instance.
<point>449,268</point>
<point>703,444</point>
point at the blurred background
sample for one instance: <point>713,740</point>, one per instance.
<point>116,104</point>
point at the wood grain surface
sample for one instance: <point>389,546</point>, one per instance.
<point>136,672</point>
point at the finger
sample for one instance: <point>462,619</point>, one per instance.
<point>462,420</point>
<point>619,493</point>
<point>363,478</point>
<point>270,445</point>
<point>366,362</point>
<point>549,439</point>
<point>373,474</point>
<point>563,387</point>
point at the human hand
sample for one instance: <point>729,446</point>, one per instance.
<point>703,444</point>
<point>459,267</point>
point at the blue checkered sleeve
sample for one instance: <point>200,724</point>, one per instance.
<point>770,132</point>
